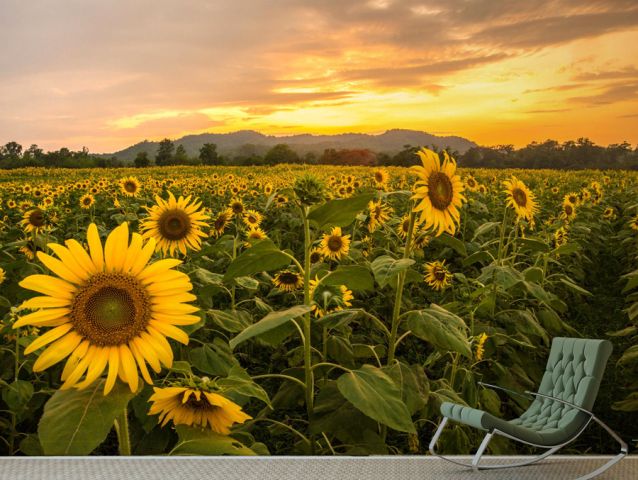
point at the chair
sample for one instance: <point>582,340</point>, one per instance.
<point>559,413</point>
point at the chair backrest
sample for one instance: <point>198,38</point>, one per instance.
<point>575,369</point>
<point>573,373</point>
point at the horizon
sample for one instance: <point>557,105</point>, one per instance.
<point>106,77</point>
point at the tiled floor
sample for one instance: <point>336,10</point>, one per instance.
<point>299,468</point>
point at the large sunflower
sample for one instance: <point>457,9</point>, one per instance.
<point>520,198</point>
<point>175,224</point>
<point>109,308</point>
<point>438,192</point>
<point>130,186</point>
<point>334,245</point>
<point>193,406</point>
<point>328,298</point>
<point>35,221</point>
<point>288,281</point>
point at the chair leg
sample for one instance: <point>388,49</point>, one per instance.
<point>613,460</point>
<point>477,456</point>
<point>479,452</point>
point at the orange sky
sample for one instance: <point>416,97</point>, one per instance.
<point>109,75</point>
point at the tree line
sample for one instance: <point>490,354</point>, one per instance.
<point>578,154</point>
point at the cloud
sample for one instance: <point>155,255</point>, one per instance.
<point>94,63</point>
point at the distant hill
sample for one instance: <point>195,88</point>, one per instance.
<point>248,141</point>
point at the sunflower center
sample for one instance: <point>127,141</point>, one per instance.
<point>174,224</point>
<point>237,207</point>
<point>519,197</point>
<point>288,278</point>
<point>440,190</point>
<point>36,218</point>
<point>201,404</point>
<point>110,309</point>
<point>439,274</point>
<point>130,187</point>
<point>335,243</point>
<point>568,209</point>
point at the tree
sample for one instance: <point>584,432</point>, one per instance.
<point>165,153</point>
<point>142,160</point>
<point>208,154</point>
<point>281,153</point>
<point>180,158</point>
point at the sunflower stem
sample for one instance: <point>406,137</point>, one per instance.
<point>123,437</point>
<point>309,375</point>
<point>392,340</point>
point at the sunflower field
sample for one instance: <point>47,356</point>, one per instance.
<point>305,310</point>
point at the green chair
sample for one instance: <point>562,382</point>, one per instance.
<point>559,413</point>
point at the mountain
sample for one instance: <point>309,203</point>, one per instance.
<point>248,141</point>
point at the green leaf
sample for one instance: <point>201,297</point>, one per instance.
<point>213,359</point>
<point>631,330</point>
<point>269,322</point>
<point>75,422</point>
<point>197,441</point>
<point>340,212</point>
<point>374,393</point>
<point>483,229</point>
<point>629,404</point>
<point>576,288</point>
<point>355,277</point>
<point>239,383</point>
<point>412,383</point>
<point>441,328</point>
<point>207,277</point>
<point>528,244</point>
<point>454,243</point>
<point>477,257</point>
<point>262,256</point>
<point>629,356</point>
<point>17,394</point>
<point>248,283</point>
<point>385,268</point>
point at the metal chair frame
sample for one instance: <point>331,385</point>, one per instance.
<point>550,449</point>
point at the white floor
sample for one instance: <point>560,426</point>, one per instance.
<point>300,468</point>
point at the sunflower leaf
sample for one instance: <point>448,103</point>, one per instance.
<point>374,393</point>
<point>261,256</point>
<point>269,322</point>
<point>340,212</point>
<point>385,268</point>
<point>75,422</point>
<point>196,441</point>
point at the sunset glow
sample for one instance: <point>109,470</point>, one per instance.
<point>109,75</point>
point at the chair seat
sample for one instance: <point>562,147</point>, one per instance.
<point>532,433</point>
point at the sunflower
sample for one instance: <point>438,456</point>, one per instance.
<point>334,245</point>
<point>3,275</point>
<point>378,214</point>
<point>439,192</point>
<point>520,198</point>
<point>252,218</point>
<point>572,198</point>
<point>237,206</point>
<point>403,227</point>
<point>87,201</point>
<point>381,177</point>
<point>288,281</point>
<point>175,224</point>
<point>34,221</point>
<point>471,184</point>
<point>221,222</point>
<point>255,233</point>
<point>561,236</point>
<point>196,407</point>
<point>328,298</point>
<point>437,275</point>
<point>130,186</point>
<point>609,213</point>
<point>633,223</point>
<point>315,255</point>
<point>480,346</point>
<point>569,211</point>
<point>107,307</point>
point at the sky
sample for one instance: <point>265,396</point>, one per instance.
<point>106,75</point>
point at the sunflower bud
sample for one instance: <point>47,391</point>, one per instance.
<point>309,190</point>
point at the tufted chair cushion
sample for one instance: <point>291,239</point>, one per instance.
<point>574,370</point>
